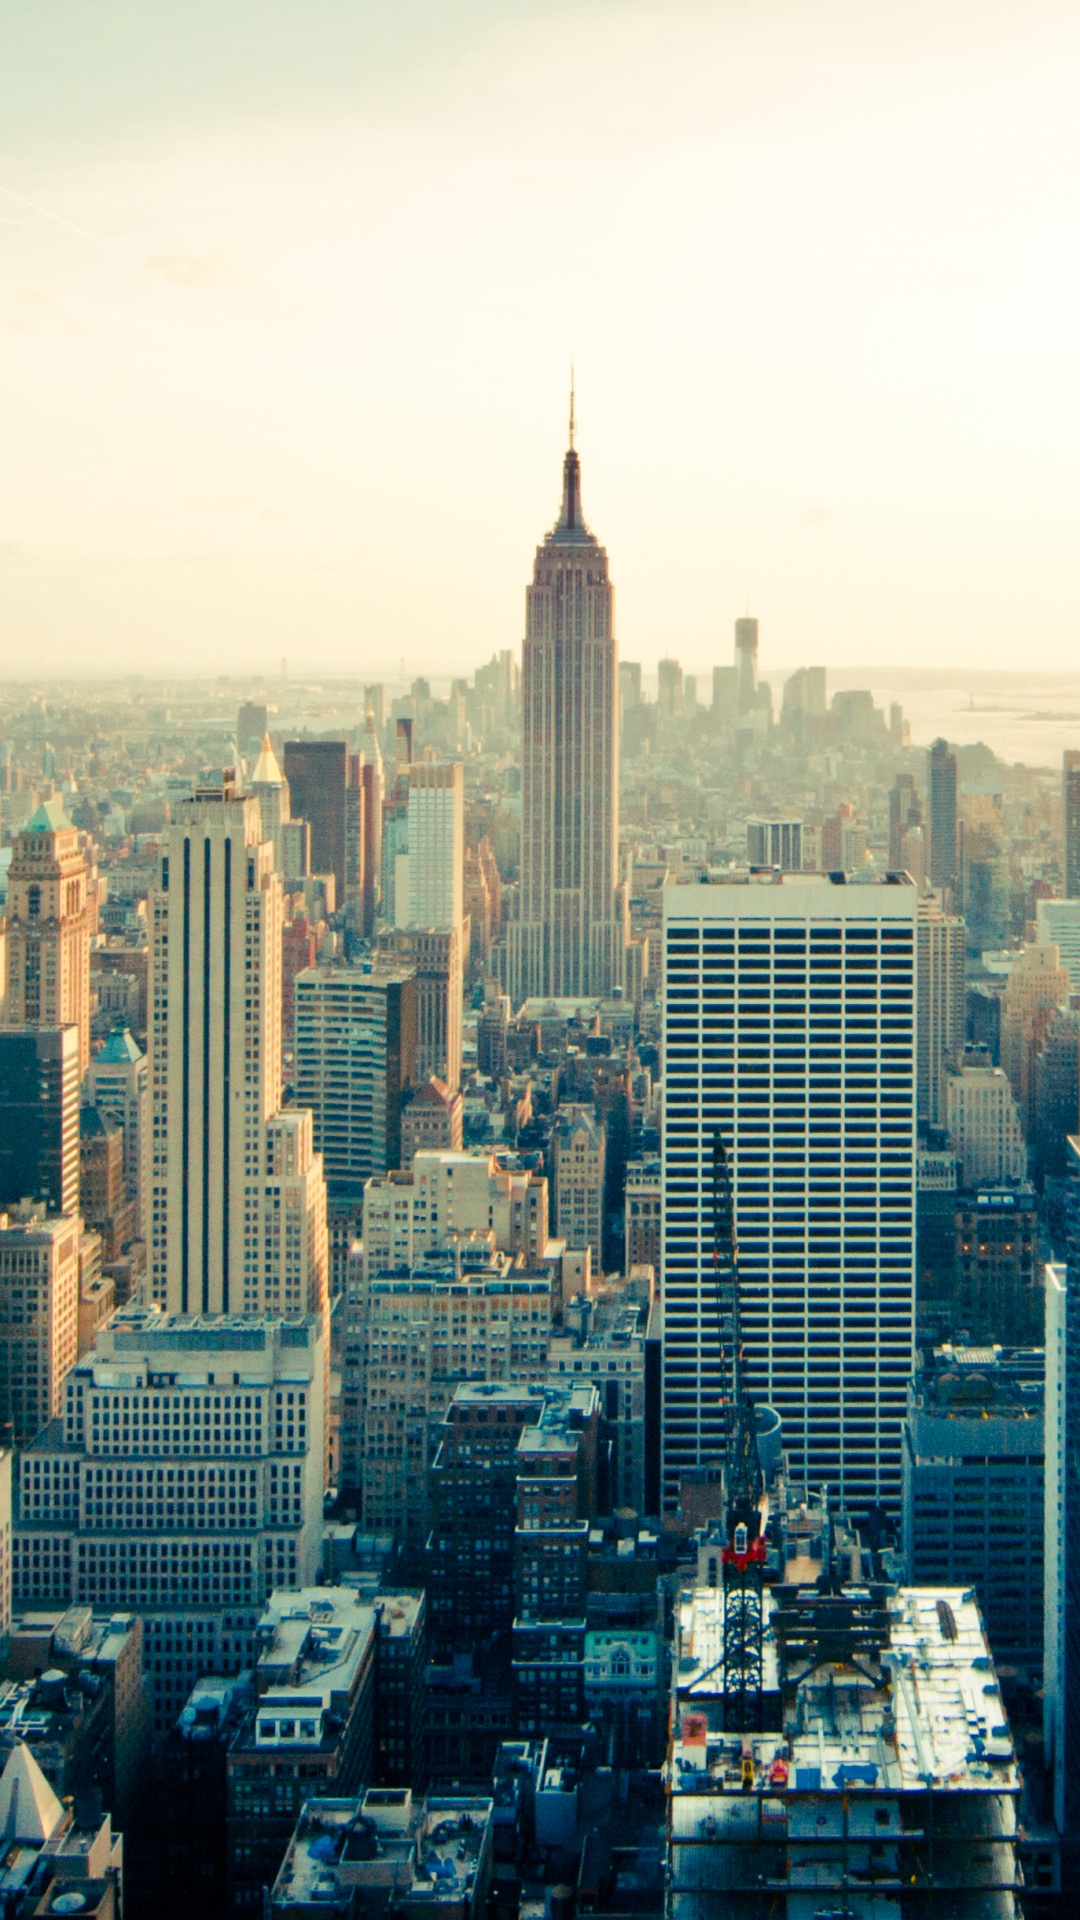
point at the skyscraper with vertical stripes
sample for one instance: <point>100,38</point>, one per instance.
<point>570,930</point>
<point>237,1198</point>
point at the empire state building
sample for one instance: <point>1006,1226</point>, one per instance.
<point>570,934</point>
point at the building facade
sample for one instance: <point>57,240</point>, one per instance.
<point>48,928</point>
<point>182,1479</point>
<point>39,1117</point>
<point>569,932</point>
<point>39,1316</point>
<point>789,1041</point>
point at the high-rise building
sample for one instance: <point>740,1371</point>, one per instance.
<point>556,1499</point>
<point>183,1480</point>
<point>571,928</point>
<point>433,955</point>
<point>941,780</point>
<point>1036,987</point>
<point>579,1147</point>
<point>453,1195</point>
<point>463,1315</point>
<point>373,785</point>
<point>215,1072</point>
<point>473,1483</point>
<point>941,1023</point>
<point>39,1117</point>
<point>1071,800</point>
<point>905,813</point>
<point>973,1487</point>
<point>270,788</point>
<point>48,928</point>
<point>1061,1637</point>
<point>789,1042</point>
<point>118,1085</point>
<point>39,1317</point>
<point>984,1129</point>
<point>355,1057</point>
<point>436,856</point>
<point>775,843</point>
<point>669,690</point>
<point>432,1119</point>
<point>1057,924</point>
<point>317,774</point>
<point>746,661</point>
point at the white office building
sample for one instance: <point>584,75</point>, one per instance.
<point>789,1031</point>
<point>1057,924</point>
<point>433,876</point>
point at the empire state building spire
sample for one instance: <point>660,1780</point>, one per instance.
<point>570,935</point>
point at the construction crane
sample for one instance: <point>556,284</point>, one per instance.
<point>743,1555</point>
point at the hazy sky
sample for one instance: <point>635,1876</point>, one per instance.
<point>290,289</point>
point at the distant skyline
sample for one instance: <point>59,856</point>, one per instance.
<point>290,295</point>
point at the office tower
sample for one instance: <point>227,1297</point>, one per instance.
<point>984,1129</point>
<point>436,851</point>
<point>775,843</point>
<point>571,927</point>
<point>465,1314</point>
<point>789,1041</point>
<point>725,691</point>
<point>905,813</point>
<point>269,787</point>
<point>941,1009</point>
<point>669,690</point>
<point>804,693</point>
<point>746,662</point>
<point>483,902</point>
<point>373,785</point>
<point>556,1500</point>
<point>941,782</point>
<point>39,1117</point>
<point>103,1194</point>
<point>1057,924</point>
<point>309,1730</point>
<point>355,1058</point>
<point>1061,1638</point>
<point>629,684</point>
<point>317,775</point>
<point>1055,1105</point>
<point>1035,988</point>
<point>48,928</point>
<point>183,1481</point>
<point>473,1487</point>
<point>251,726</point>
<point>355,847</point>
<point>433,955</point>
<point>579,1144</point>
<point>973,1487</point>
<point>996,1291</point>
<point>1071,808</point>
<point>432,1121</point>
<point>215,1071</point>
<point>117,1085</point>
<point>39,1316</point>
<point>613,1338</point>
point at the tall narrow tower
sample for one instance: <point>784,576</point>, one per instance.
<point>48,937</point>
<point>570,933</point>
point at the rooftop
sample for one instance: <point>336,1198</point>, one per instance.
<point>411,1852</point>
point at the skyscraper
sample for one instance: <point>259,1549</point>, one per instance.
<point>317,773</point>
<point>118,1085</point>
<point>48,928</point>
<point>746,661</point>
<point>904,814</point>
<point>789,1036</point>
<point>1071,798</point>
<point>941,773</point>
<point>39,1118</point>
<point>941,974</point>
<point>570,931</point>
<point>217,1166</point>
<point>436,829</point>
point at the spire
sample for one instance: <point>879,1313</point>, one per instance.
<point>571,519</point>
<point>571,404</point>
<point>267,772</point>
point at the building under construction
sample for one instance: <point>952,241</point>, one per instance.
<point>880,1780</point>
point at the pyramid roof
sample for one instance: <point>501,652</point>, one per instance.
<point>120,1049</point>
<point>29,1809</point>
<point>49,818</point>
<point>267,772</point>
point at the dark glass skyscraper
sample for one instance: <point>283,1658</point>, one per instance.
<point>941,770</point>
<point>317,773</point>
<point>39,1117</point>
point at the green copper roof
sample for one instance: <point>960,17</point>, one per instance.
<point>49,818</point>
<point>119,1049</point>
